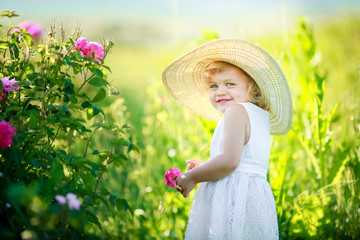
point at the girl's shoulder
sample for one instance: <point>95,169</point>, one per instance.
<point>236,113</point>
<point>249,106</point>
<point>235,109</point>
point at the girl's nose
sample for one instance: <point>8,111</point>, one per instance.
<point>220,92</point>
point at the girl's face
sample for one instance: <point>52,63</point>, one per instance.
<point>227,87</point>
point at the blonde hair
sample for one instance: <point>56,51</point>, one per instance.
<point>254,92</point>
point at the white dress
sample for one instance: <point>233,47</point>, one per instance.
<point>240,205</point>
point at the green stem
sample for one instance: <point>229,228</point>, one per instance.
<point>57,132</point>
<point>106,163</point>
<point>88,142</point>
<point>82,85</point>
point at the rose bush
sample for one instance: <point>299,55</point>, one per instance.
<point>51,112</point>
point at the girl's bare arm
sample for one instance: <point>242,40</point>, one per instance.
<point>235,122</point>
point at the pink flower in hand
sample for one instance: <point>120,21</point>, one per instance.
<point>6,131</point>
<point>33,28</point>
<point>171,175</point>
<point>8,85</point>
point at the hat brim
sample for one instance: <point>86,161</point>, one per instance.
<point>183,79</point>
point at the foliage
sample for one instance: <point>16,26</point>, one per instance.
<point>311,196</point>
<point>57,113</point>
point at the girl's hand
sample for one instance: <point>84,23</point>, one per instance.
<point>184,184</point>
<point>193,163</point>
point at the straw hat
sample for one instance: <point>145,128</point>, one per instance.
<point>183,79</point>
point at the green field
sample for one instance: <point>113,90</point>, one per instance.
<point>314,170</point>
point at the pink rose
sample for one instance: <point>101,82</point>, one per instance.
<point>94,50</point>
<point>171,175</point>
<point>91,49</point>
<point>6,131</point>
<point>8,85</point>
<point>33,28</point>
<point>81,43</point>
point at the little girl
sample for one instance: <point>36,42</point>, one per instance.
<point>249,93</point>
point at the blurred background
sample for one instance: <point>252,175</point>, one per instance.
<point>144,30</point>
<point>160,22</point>
<point>314,170</point>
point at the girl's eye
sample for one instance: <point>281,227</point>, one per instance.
<point>213,86</point>
<point>229,84</point>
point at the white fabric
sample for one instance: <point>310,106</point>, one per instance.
<point>240,205</point>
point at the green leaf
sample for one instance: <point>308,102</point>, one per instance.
<point>64,108</point>
<point>112,199</point>
<point>120,142</point>
<point>122,204</point>
<point>96,110</point>
<point>9,14</point>
<point>133,147</point>
<point>104,201</point>
<point>84,95</point>
<point>93,218</point>
<point>1,86</point>
<point>107,68</point>
<point>28,38</point>
<point>73,99</point>
<point>92,112</point>
<point>35,162</point>
<point>100,95</point>
<point>32,76</point>
<point>97,72</point>
<point>33,122</point>
<point>86,104</point>
<point>104,191</point>
<point>4,44</point>
<point>68,61</point>
<point>122,157</point>
<point>50,132</point>
<point>97,82</point>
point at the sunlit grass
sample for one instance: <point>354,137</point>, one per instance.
<point>314,170</point>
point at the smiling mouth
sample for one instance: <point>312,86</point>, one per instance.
<point>222,101</point>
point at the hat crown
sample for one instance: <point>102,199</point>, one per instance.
<point>183,79</point>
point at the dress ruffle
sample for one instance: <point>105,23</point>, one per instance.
<point>238,206</point>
